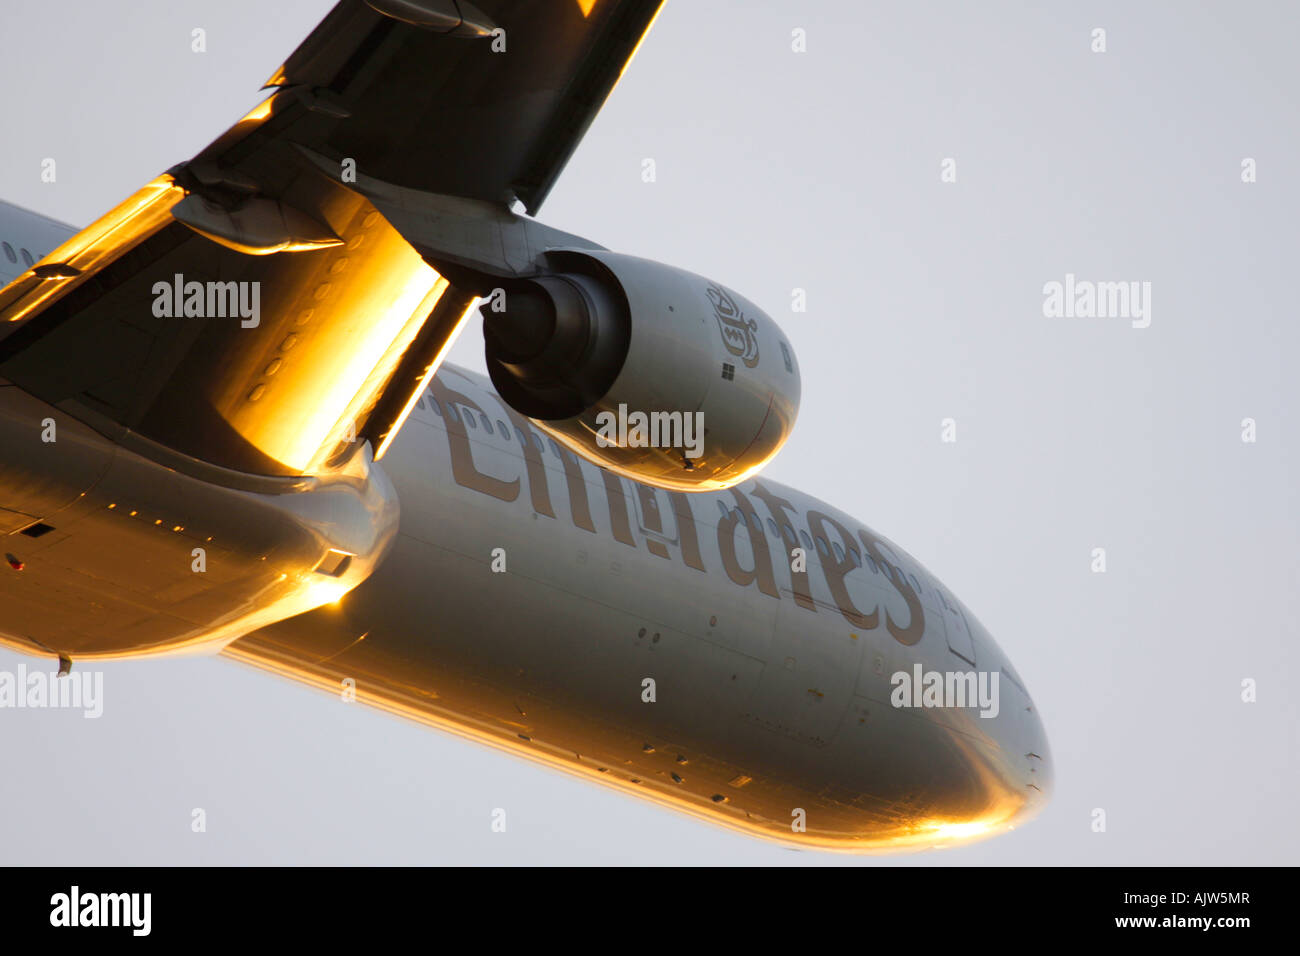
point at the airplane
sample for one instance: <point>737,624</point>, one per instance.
<point>226,427</point>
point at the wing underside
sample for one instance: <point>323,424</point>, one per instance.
<point>251,308</point>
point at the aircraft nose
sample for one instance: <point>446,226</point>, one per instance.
<point>1027,753</point>
<point>1016,772</point>
<point>1038,758</point>
<point>1026,760</point>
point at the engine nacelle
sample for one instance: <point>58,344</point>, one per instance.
<point>652,372</point>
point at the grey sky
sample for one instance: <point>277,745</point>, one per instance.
<point>821,170</point>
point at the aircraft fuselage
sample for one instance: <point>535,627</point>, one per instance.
<point>751,656</point>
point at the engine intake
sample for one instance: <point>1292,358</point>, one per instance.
<point>644,369</point>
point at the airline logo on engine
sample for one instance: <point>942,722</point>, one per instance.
<point>739,334</point>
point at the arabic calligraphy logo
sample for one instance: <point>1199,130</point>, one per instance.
<point>739,334</point>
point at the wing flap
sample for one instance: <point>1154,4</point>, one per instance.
<point>518,100</point>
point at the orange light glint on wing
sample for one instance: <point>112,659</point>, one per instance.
<point>648,28</point>
<point>137,217</point>
<point>424,383</point>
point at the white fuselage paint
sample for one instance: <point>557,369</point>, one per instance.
<point>537,604</point>
<point>762,706</point>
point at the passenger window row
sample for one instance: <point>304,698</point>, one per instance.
<point>13,257</point>
<point>822,547</point>
<point>473,421</point>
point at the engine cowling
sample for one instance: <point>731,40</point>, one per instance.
<point>647,370</point>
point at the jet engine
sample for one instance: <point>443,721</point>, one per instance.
<point>647,370</point>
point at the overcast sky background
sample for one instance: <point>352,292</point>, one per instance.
<point>819,170</point>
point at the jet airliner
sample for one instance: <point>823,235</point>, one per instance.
<point>226,427</point>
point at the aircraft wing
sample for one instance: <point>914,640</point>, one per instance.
<point>252,308</point>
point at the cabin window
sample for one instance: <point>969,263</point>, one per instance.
<point>839,552</point>
<point>723,508</point>
<point>452,413</point>
<point>916,585</point>
<point>469,418</point>
<point>9,252</point>
<point>771,526</point>
<point>487,423</point>
<point>419,402</point>
<point>437,408</point>
<point>824,551</point>
<point>501,427</point>
<point>27,258</point>
<point>807,541</point>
